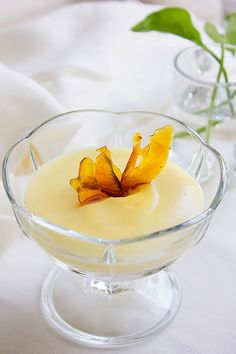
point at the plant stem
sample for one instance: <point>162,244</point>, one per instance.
<point>219,60</point>
<point>183,134</point>
<point>205,110</point>
<point>211,123</point>
<point>214,93</point>
<point>228,92</point>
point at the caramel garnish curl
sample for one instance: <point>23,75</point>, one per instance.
<point>102,179</point>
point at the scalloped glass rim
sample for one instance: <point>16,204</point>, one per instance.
<point>70,233</point>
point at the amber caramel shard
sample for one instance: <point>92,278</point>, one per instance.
<point>106,177</point>
<point>101,179</point>
<point>107,152</point>
<point>154,158</point>
<point>86,184</point>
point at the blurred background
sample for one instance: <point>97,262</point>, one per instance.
<point>12,11</point>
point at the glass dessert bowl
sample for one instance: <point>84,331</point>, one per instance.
<point>111,291</point>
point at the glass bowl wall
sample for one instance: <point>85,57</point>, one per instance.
<point>127,257</point>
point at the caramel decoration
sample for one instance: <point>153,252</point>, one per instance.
<point>86,184</point>
<point>106,177</point>
<point>101,179</point>
<point>107,152</point>
<point>154,158</point>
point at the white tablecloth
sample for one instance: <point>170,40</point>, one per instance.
<point>84,56</point>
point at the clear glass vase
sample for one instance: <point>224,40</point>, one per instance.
<point>109,293</point>
<point>194,84</point>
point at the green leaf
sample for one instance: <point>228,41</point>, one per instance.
<point>213,33</point>
<point>230,33</point>
<point>230,29</point>
<point>174,20</point>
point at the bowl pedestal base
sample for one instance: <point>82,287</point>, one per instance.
<point>109,314</point>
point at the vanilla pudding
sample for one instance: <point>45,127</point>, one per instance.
<point>172,198</point>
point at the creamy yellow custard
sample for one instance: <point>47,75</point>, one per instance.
<point>172,198</point>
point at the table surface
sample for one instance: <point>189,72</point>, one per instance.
<point>206,321</point>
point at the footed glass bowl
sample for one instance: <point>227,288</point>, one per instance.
<point>109,293</point>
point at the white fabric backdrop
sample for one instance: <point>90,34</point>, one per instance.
<point>13,11</point>
<point>84,56</point>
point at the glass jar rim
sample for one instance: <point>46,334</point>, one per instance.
<point>205,83</point>
<point>205,214</point>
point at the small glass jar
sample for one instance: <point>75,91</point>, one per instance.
<point>195,73</point>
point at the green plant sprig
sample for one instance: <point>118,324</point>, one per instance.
<point>183,134</point>
<point>219,105</point>
<point>177,21</point>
